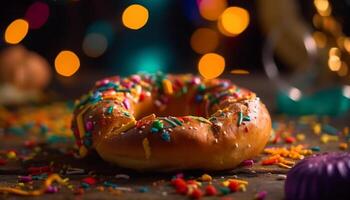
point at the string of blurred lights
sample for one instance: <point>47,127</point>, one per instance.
<point>231,21</point>
<point>330,34</point>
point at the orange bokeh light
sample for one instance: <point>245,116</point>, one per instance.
<point>67,63</point>
<point>16,31</point>
<point>211,9</point>
<point>204,40</point>
<point>233,21</point>
<point>211,65</point>
<point>135,16</point>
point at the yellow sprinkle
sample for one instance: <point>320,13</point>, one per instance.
<point>225,183</point>
<point>206,178</point>
<point>284,165</point>
<point>168,87</point>
<point>300,137</point>
<point>328,138</point>
<point>317,128</point>
<point>126,127</point>
<point>146,148</point>
<point>238,181</point>
<point>83,151</point>
<point>11,155</point>
<point>20,184</point>
<point>343,146</point>
<point>239,71</point>
<point>242,188</point>
<point>346,131</point>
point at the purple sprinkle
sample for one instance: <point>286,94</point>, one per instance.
<point>103,82</point>
<point>89,126</point>
<point>126,104</point>
<point>261,195</point>
<point>247,163</point>
<point>25,179</point>
<point>51,189</point>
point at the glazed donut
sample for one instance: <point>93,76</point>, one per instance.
<point>171,122</point>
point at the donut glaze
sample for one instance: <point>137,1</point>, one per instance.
<point>171,122</point>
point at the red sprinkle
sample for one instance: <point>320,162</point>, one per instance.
<point>233,185</point>
<point>90,180</point>
<point>196,194</point>
<point>210,190</point>
<point>289,140</point>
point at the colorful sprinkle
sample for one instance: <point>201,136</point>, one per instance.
<point>166,136</point>
<point>240,118</point>
<point>146,148</point>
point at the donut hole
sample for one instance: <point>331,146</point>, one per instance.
<point>175,106</point>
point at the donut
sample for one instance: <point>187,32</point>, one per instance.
<point>169,122</point>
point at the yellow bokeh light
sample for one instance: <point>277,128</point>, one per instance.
<point>211,9</point>
<point>347,44</point>
<point>204,40</point>
<point>135,16</point>
<point>67,63</point>
<point>211,65</point>
<point>323,7</point>
<point>239,71</point>
<point>334,63</point>
<point>16,31</point>
<point>334,51</point>
<point>233,21</point>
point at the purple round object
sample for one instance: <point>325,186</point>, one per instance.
<point>320,177</point>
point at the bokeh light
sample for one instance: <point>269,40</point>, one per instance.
<point>67,63</point>
<point>16,31</point>
<point>204,40</point>
<point>135,17</point>
<point>211,65</point>
<point>102,27</point>
<point>343,71</point>
<point>233,21</point>
<point>94,44</point>
<point>211,9</point>
<point>334,63</point>
<point>150,59</point>
<point>37,14</point>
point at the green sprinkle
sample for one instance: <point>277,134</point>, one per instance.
<point>315,148</point>
<point>184,90</point>
<point>158,124</point>
<point>240,118</point>
<point>201,88</point>
<point>246,118</point>
<point>173,124</point>
<point>224,190</point>
<point>127,114</point>
<point>110,109</point>
<point>177,121</point>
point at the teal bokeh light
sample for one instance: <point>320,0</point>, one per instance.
<point>149,60</point>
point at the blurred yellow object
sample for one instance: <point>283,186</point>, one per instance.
<point>135,16</point>
<point>204,40</point>
<point>67,63</point>
<point>211,65</point>
<point>334,63</point>
<point>211,9</point>
<point>16,31</point>
<point>233,21</point>
<point>239,71</point>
